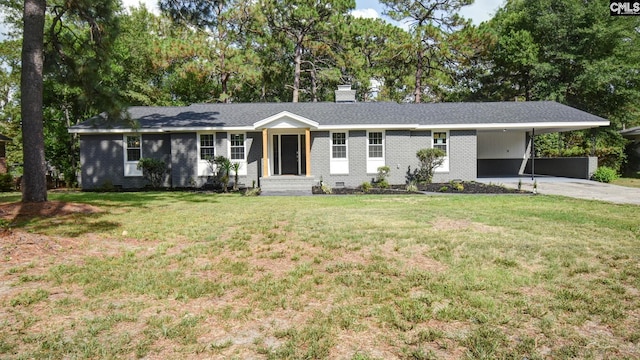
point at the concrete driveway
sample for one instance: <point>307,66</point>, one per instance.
<point>576,188</point>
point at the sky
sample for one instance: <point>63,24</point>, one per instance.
<point>480,11</point>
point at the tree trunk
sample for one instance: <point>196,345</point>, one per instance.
<point>31,85</point>
<point>73,161</point>
<point>222,37</point>
<point>419,69</point>
<point>314,83</point>
<point>224,75</point>
<point>298,69</point>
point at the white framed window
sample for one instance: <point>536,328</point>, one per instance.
<point>207,146</point>
<point>339,145</point>
<point>339,163</point>
<point>375,151</point>
<point>132,154</point>
<point>206,152</point>
<point>237,151</point>
<point>441,141</point>
<point>236,147</point>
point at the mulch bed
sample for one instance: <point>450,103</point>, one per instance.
<point>465,187</point>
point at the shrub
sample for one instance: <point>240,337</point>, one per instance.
<point>153,170</point>
<point>366,186</point>
<point>254,191</point>
<point>6,182</point>
<point>430,159</point>
<point>412,187</point>
<point>236,168</point>
<point>222,167</point>
<point>605,174</point>
<point>382,184</point>
<point>444,188</point>
<point>326,189</point>
<point>383,172</point>
<point>457,186</point>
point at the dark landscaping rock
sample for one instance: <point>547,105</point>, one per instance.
<point>464,187</point>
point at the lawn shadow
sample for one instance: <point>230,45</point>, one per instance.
<point>75,213</point>
<point>80,226</point>
<point>134,199</point>
<point>71,218</point>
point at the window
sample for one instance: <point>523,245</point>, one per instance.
<point>440,141</point>
<point>339,158</point>
<point>339,145</point>
<point>132,146</point>
<point>375,145</point>
<point>134,152</point>
<point>207,146</point>
<point>237,146</point>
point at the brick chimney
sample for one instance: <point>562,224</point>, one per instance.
<point>344,94</point>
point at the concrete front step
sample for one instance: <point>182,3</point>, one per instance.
<point>287,193</point>
<point>297,185</point>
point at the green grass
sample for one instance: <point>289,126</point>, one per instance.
<point>175,275</point>
<point>628,182</point>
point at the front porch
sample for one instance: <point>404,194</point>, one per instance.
<point>286,145</point>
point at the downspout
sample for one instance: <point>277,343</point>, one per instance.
<point>533,153</point>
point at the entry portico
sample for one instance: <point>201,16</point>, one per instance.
<point>286,144</point>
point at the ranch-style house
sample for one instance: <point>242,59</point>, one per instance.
<point>295,145</point>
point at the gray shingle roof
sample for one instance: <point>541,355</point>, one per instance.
<point>346,114</point>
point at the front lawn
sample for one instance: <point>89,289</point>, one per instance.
<point>184,275</point>
<point>626,181</point>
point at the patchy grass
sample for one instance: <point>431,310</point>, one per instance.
<point>170,275</point>
<point>629,182</point>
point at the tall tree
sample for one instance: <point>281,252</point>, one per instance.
<point>10,52</point>
<point>432,21</point>
<point>74,41</point>
<point>566,51</point>
<point>227,22</point>
<point>158,62</point>
<point>34,187</point>
<point>366,56</point>
<point>79,75</point>
<point>301,22</point>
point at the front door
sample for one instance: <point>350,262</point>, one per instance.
<point>289,154</point>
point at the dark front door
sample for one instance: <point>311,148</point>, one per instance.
<point>289,154</point>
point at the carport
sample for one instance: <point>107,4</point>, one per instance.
<point>507,151</point>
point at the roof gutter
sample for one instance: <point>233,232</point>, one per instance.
<point>518,126</point>
<point>559,126</point>
<point>158,131</point>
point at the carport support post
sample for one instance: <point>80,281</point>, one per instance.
<point>533,153</point>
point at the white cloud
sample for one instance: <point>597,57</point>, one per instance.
<point>151,5</point>
<point>481,10</point>
<point>365,13</point>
